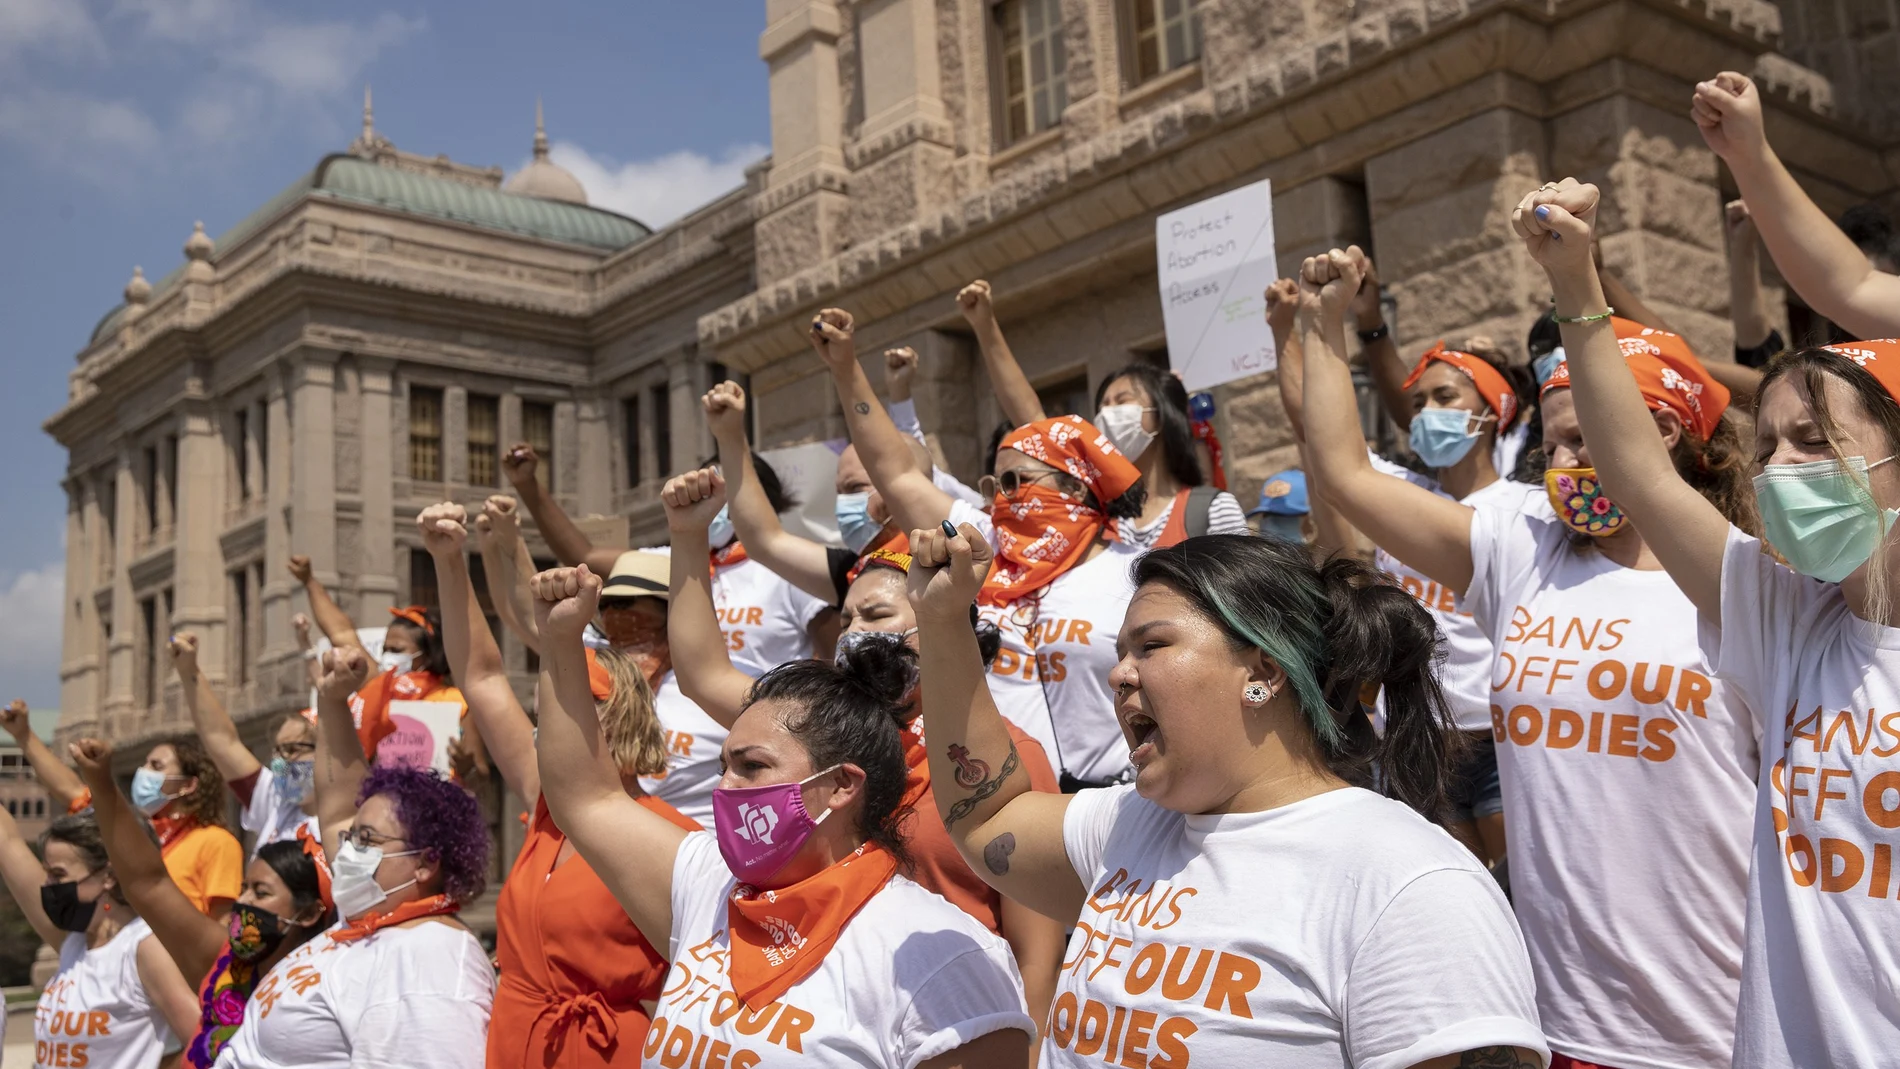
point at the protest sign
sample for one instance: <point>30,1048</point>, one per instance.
<point>422,735</point>
<point>1216,260</point>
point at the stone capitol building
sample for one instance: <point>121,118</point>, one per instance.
<point>370,339</point>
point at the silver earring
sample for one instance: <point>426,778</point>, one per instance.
<point>1255,694</point>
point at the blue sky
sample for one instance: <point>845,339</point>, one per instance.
<point>123,121</point>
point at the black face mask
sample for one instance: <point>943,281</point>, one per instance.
<point>64,908</point>
<point>255,933</point>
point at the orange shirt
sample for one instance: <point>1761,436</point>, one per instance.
<point>574,971</point>
<point>939,866</point>
<point>370,705</point>
<point>206,863</point>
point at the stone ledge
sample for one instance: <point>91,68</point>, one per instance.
<point>824,179</point>
<point>1270,82</point>
<point>862,152</point>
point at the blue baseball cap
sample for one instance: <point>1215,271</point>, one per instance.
<point>1283,495</point>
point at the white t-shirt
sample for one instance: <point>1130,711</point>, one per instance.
<point>1066,636</point>
<point>95,1012</point>
<point>693,745</point>
<point>1224,516</point>
<point>1015,685</point>
<point>763,617</point>
<point>1509,447</point>
<point>909,978</point>
<point>1466,674</point>
<point>1628,776</point>
<point>401,998</point>
<point>1341,930</point>
<point>271,817</point>
<point>1821,971</point>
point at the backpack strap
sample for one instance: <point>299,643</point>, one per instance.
<point>1199,500</point>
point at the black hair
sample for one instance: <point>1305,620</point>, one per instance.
<point>1174,430</point>
<point>287,859</point>
<point>996,443</point>
<point>81,832</point>
<point>1545,335</point>
<point>431,656</point>
<point>848,710</point>
<point>1333,627</point>
<point>780,499</point>
<point>1870,228</point>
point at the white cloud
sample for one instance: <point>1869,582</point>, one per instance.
<point>32,607</point>
<point>318,58</point>
<point>58,25</point>
<point>659,190</point>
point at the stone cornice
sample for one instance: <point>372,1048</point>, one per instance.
<point>1298,97</point>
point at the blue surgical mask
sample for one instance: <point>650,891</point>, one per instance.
<point>1546,365</point>
<point>855,524</point>
<point>1440,436</point>
<point>148,791</point>
<point>1820,517</point>
<point>720,532</point>
<point>293,779</point>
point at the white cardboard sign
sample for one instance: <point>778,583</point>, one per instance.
<point>1216,260</point>
<point>421,738</point>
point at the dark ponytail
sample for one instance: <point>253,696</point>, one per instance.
<point>1334,629</point>
<point>1174,426</point>
<point>848,710</point>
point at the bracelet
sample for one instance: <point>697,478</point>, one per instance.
<point>1598,318</point>
<point>1367,337</point>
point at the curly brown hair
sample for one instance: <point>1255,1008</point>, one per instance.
<point>205,804</point>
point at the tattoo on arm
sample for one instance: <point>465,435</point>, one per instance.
<point>863,407</point>
<point>996,855</point>
<point>1497,1058</point>
<point>981,790</point>
<point>971,771</point>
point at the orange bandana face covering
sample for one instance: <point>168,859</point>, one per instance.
<point>729,554</point>
<point>1491,386</point>
<point>779,937</point>
<point>1042,533</point>
<point>1667,374</point>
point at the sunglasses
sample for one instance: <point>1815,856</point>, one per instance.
<point>1011,483</point>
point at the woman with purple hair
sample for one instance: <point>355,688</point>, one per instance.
<point>399,980</point>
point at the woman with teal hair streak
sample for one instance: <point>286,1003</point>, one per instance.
<point>1251,898</point>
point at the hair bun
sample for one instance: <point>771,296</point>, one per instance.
<point>881,665</point>
<point>1377,633</point>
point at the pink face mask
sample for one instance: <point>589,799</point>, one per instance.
<point>760,828</point>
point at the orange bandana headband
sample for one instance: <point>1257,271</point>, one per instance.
<point>314,851</point>
<point>1880,358</point>
<point>1668,375</point>
<point>892,554</point>
<point>415,614</point>
<point>1074,445</point>
<point>1493,387</point>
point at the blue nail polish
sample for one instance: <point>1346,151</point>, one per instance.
<point>949,530</point>
<point>1543,211</point>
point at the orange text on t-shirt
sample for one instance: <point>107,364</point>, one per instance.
<point>1834,864</point>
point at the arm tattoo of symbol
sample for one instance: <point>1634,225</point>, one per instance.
<point>1495,1058</point>
<point>971,771</point>
<point>981,791</point>
<point>996,855</point>
<point>863,407</point>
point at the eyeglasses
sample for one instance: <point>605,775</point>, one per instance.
<point>296,751</point>
<point>363,838</point>
<point>1011,483</point>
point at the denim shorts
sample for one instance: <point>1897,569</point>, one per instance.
<point>1474,782</point>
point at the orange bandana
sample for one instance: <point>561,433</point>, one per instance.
<point>1668,375</point>
<point>314,851</point>
<point>1491,386</point>
<point>1042,533</point>
<point>171,829</point>
<point>916,762</point>
<point>779,937</point>
<point>729,554</point>
<point>415,614</point>
<point>370,923</point>
<point>894,553</point>
<point>1880,358</point>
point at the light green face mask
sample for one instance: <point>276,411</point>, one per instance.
<point>1820,518</point>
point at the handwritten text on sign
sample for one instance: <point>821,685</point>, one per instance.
<point>1216,260</point>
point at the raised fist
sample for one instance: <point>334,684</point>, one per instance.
<point>345,669</point>
<point>184,650</point>
<point>947,571</point>
<point>94,758</point>
<point>724,406</point>
<point>1283,303</point>
<point>14,719</point>
<point>832,336</point>
<point>693,499</point>
<point>900,367</point>
<point>1367,312</point>
<point>444,529</point>
<point>1739,223</point>
<point>1727,109</point>
<point>300,568</point>
<point>973,301</point>
<point>519,464</point>
<point>565,601</point>
<point>1557,222</point>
